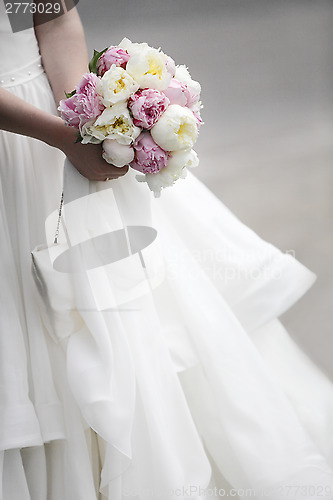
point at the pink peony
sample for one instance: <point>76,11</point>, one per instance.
<point>170,66</point>
<point>149,157</point>
<point>198,118</point>
<point>83,106</point>
<point>178,93</point>
<point>147,106</point>
<point>114,55</point>
<point>88,103</point>
<point>67,108</point>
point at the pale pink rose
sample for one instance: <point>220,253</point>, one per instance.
<point>67,108</point>
<point>88,104</point>
<point>147,106</point>
<point>149,157</point>
<point>114,55</point>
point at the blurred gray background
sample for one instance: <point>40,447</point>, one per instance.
<point>266,148</point>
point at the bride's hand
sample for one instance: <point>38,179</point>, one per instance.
<point>87,158</point>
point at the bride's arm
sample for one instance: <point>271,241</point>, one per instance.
<point>21,117</point>
<point>60,40</point>
<point>63,48</point>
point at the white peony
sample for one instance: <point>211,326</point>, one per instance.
<point>131,47</point>
<point>116,85</point>
<point>176,129</point>
<point>113,123</point>
<point>174,170</point>
<point>182,74</point>
<point>148,68</point>
<point>136,48</point>
<point>180,159</point>
<point>85,132</point>
<point>117,154</point>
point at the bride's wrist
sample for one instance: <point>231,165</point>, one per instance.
<point>62,136</point>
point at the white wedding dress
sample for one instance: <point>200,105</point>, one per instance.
<point>180,380</point>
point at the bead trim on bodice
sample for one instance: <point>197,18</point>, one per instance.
<point>23,74</point>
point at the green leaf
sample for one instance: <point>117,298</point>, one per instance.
<point>79,138</point>
<point>70,94</point>
<point>94,59</point>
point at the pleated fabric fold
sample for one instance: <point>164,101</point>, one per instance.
<point>165,355</point>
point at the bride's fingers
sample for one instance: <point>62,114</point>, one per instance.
<point>119,171</point>
<point>111,174</point>
<point>98,170</point>
<point>115,172</point>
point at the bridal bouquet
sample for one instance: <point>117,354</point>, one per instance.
<point>142,108</point>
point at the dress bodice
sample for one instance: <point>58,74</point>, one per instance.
<point>19,53</point>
